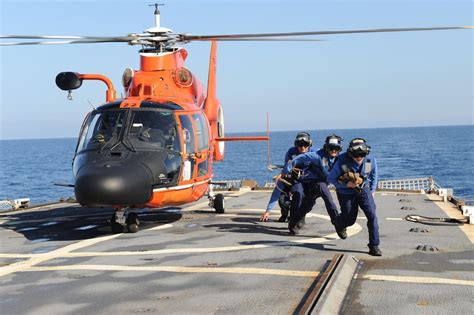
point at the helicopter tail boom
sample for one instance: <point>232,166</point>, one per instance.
<point>255,138</point>
<point>213,108</point>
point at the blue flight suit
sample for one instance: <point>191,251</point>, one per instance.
<point>311,185</point>
<point>289,156</point>
<point>351,199</point>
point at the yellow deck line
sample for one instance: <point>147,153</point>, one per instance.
<point>253,271</point>
<point>454,213</point>
<point>421,280</point>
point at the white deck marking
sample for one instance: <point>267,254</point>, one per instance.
<point>39,258</point>
<point>388,219</point>
<point>49,223</point>
<point>40,240</point>
<point>254,271</point>
<point>160,227</point>
<point>356,228</point>
<point>67,251</point>
<point>17,256</point>
<point>205,204</point>
<point>454,212</point>
<point>87,227</point>
<point>422,280</point>
<point>28,229</point>
<point>352,230</point>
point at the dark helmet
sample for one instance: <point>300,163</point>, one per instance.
<point>333,142</point>
<point>303,139</point>
<point>358,148</point>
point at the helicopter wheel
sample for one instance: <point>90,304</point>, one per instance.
<point>132,223</point>
<point>116,227</point>
<point>219,203</point>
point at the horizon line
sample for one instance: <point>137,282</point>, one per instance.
<point>264,131</point>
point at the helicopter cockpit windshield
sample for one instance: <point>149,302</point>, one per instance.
<point>153,129</point>
<point>144,129</point>
<point>101,129</point>
<point>132,136</point>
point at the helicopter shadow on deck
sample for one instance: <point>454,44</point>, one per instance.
<point>253,226</point>
<point>75,223</point>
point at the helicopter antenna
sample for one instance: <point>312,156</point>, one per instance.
<point>157,13</point>
<point>90,103</point>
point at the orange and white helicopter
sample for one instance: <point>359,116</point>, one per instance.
<point>156,146</point>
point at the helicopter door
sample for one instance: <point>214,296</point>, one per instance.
<point>202,154</point>
<point>188,146</point>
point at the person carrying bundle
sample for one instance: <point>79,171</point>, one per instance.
<point>355,178</point>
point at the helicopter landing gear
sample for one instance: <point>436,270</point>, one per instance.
<point>132,223</point>
<point>122,218</point>
<point>219,203</point>
<point>216,201</point>
<point>115,226</point>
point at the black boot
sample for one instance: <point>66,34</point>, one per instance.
<point>294,230</point>
<point>282,218</point>
<point>341,232</point>
<point>301,223</point>
<point>375,251</point>
<point>292,226</point>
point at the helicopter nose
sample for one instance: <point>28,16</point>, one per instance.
<point>113,185</point>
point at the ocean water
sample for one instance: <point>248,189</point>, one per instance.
<point>29,168</point>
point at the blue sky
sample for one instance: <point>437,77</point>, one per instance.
<point>347,81</point>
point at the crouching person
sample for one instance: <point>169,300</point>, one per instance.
<point>355,178</point>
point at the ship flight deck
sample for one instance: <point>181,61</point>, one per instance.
<point>63,259</point>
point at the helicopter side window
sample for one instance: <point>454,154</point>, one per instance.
<point>101,128</point>
<point>201,132</point>
<point>188,134</point>
<point>203,168</point>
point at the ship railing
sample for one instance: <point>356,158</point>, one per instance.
<point>14,204</point>
<point>227,184</point>
<point>424,184</point>
<point>427,184</point>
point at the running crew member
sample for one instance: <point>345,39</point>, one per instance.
<point>302,144</point>
<point>355,178</point>
<point>312,182</point>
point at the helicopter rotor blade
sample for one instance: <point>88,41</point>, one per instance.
<point>260,35</point>
<point>68,37</point>
<point>132,39</point>
<point>170,38</point>
<point>267,39</point>
<point>64,42</point>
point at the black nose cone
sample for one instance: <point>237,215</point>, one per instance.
<point>113,185</point>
